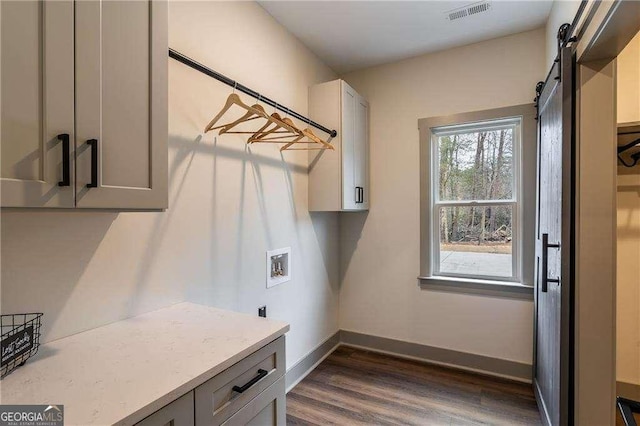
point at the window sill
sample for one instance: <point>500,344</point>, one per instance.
<point>480,287</point>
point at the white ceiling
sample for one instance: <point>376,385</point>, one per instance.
<point>350,35</point>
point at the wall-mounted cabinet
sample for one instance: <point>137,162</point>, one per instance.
<point>339,180</point>
<point>84,104</point>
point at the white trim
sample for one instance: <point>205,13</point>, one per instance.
<point>476,126</point>
<point>478,286</point>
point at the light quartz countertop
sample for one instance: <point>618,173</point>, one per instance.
<point>122,372</point>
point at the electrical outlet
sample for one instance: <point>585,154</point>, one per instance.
<point>262,311</point>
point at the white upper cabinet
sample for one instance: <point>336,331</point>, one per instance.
<point>339,180</point>
<point>102,69</point>
<point>37,106</point>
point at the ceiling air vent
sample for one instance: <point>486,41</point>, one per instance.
<point>468,10</point>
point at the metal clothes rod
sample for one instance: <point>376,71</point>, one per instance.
<point>244,89</point>
<point>635,156</point>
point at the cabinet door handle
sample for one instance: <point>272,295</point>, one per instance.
<point>93,143</point>
<point>545,261</point>
<point>66,169</point>
<point>359,195</point>
<point>256,379</point>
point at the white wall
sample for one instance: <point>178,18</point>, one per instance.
<point>562,11</point>
<point>227,205</point>
<point>628,208</point>
<point>380,250</point>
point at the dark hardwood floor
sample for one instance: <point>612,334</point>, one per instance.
<point>354,386</point>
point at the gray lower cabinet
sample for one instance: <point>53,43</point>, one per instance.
<point>250,392</point>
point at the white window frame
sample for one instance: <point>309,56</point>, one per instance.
<point>435,204</point>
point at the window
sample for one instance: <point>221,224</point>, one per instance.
<point>475,207</point>
<point>477,203</point>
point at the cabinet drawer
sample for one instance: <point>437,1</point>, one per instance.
<point>216,400</point>
<point>266,409</point>
<point>177,413</point>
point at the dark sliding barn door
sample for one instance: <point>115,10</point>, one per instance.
<point>553,336</point>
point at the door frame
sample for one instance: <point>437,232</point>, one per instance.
<point>603,29</point>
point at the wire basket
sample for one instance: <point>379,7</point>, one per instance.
<point>20,339</point>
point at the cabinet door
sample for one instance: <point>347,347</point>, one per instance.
<point>266,409</point>
<point>361,153</point>
<point>349,192</point>
<point>36,49</point>
<point>179,413</point>
<point>121,104</point>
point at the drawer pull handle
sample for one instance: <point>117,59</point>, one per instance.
<point>246,386</point>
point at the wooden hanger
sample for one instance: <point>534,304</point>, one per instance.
<point>275,130</point>
<point>232,100</point>
<point>286,139</point>
<point>280,125</point>
<point>309,133</point>
<point>299,135</point>
<point>254,112</point>
<point>312,139</point>
<point>303,149</point>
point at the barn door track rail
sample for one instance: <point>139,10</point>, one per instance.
<point>244,89</point>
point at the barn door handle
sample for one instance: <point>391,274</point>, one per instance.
<point>93,143</point>
<point>256,379</point>
<point>545,260</point>
<point>66,169</point>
